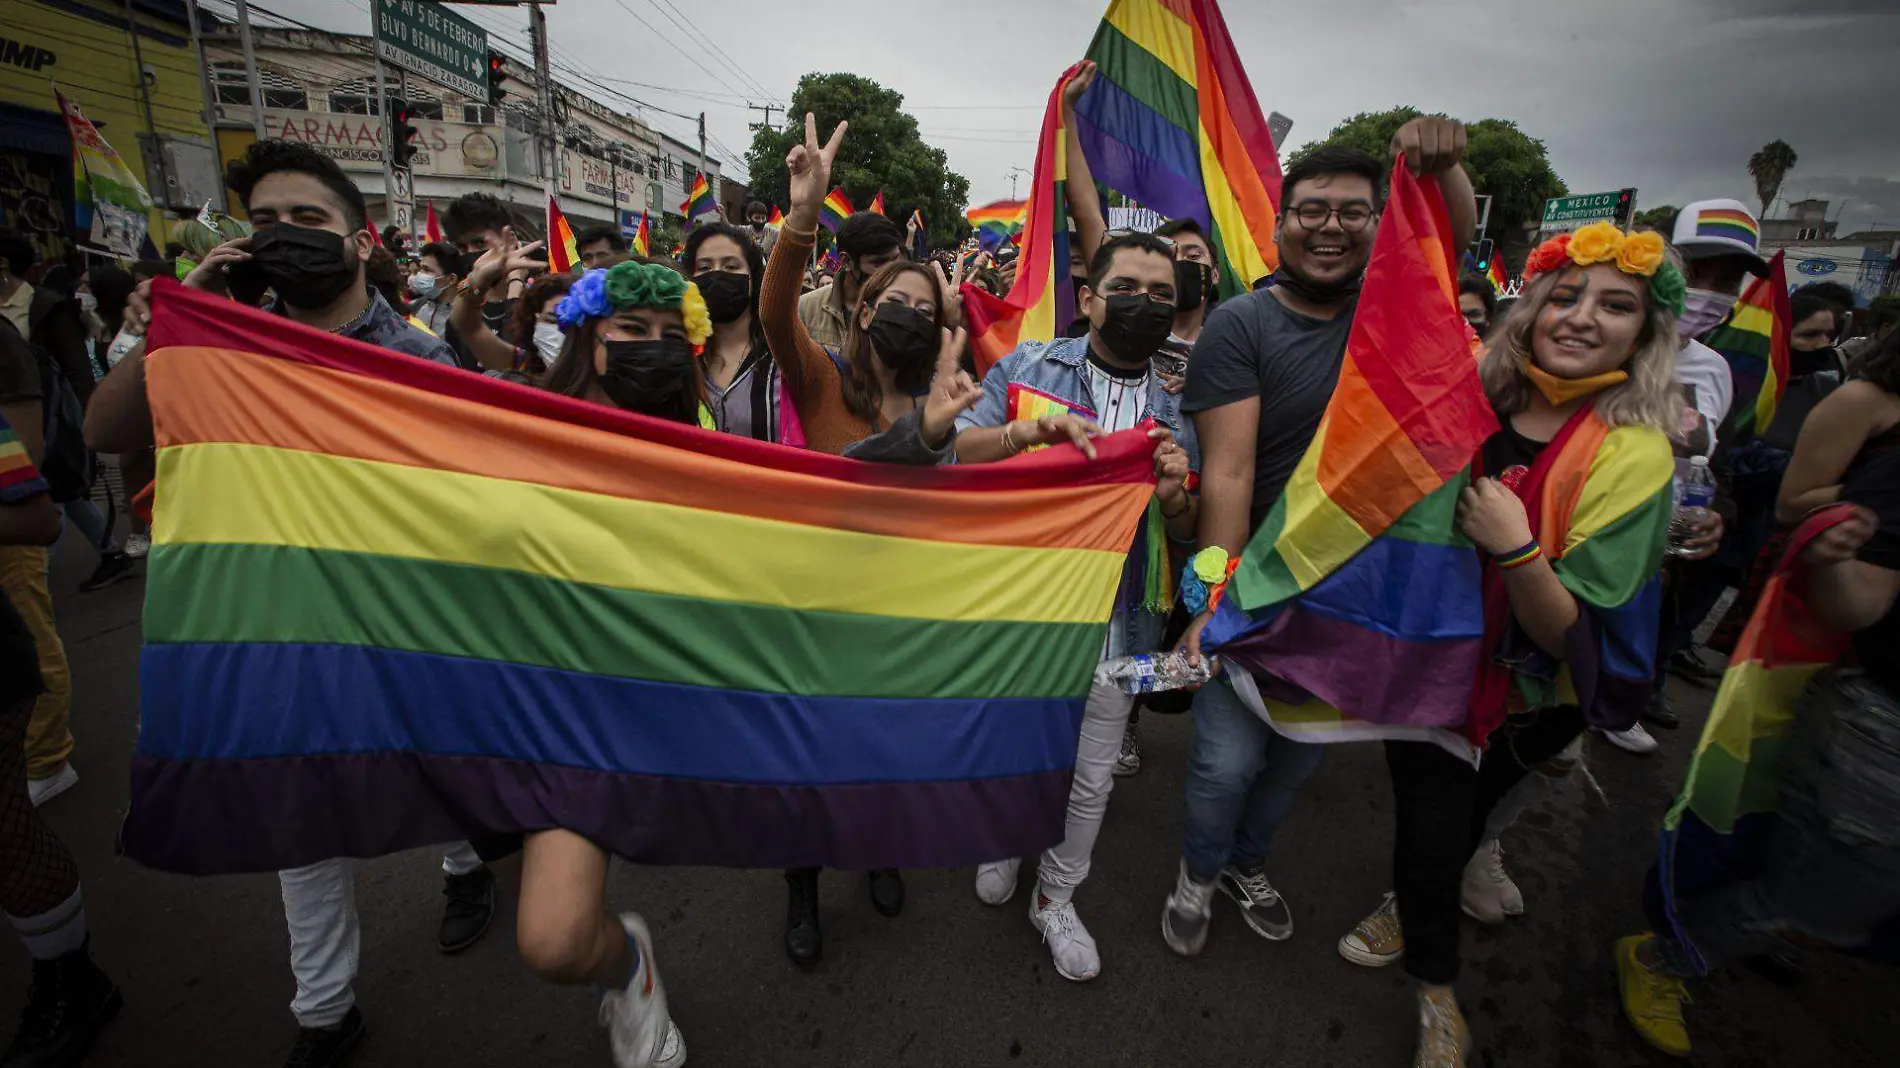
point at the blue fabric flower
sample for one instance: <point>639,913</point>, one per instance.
<point>1193,591</point>
<point>587,299</point>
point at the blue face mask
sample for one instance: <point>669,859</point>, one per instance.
<point>1702,311</point>
<point>424,284</point>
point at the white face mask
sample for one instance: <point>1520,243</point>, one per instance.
<point>1702,311</point>
<point>423,284</point>
<point>88,303</point>
<point>548,339</point>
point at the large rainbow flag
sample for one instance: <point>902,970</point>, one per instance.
<point>835,210</point>
<point>369,629</point>
<point>1755,342</point>
<point>563,254</point>
<point>1172,122</point>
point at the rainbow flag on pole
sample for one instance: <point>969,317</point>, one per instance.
<point>877,203</point>
<point>699,201</point>
<point>111,204</point>
<point>835,210</point>
<point>647,643</point>
<point>1496,274</point>
<point>431,227</point>
<point>1172,122</point>
<point>1755,342</point>
<point>643,237</point>
<point>563,254</point>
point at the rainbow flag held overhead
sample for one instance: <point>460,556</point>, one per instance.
<point>1172,122</point>
<point>835,210</point>
<point>563,254</point>
<point>700,201</point>
<point>1755,342</point>
<point>647,642</point>
<point>998,222</point>
<point>431,227</point>
<point>643,237</point>
<point>110,203</point>
<point>877,203</point>
<point>1041,302</point>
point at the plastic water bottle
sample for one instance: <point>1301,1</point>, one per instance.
<point>1698,492</point>
<point>1153,673</point>
<point>122,344</point>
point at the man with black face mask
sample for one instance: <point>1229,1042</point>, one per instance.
<point>1063,391</point>
<point>311,242</point>
<point>1263,372</point>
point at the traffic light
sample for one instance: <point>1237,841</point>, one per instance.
<point>1482,255</point>
<point>402,132</point>
<point>1625,207</point>
<point>497,74</point>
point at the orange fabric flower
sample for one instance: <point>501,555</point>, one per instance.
<point>1552,253</point>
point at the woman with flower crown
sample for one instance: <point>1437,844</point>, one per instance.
<point>1569,506</point>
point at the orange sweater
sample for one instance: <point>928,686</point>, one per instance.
<point>811,378</point>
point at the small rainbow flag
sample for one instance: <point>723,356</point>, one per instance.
<point>835,210</point>
<point>431,228</point>
<point>700,201</point>
<point>998,222</point>
<point>1172,122</point>
<point>877,203</point>
<point>1755,342</point>
<point>650,622</point>
<point>1499,281</point>
<point>642,238</point>
<point>776,219</point>
<point>563,254</point>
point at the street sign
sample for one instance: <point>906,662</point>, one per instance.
<point>434,42</point>
<point>1570,213</point>
<point>1817,265</point>
<point>629,223</point>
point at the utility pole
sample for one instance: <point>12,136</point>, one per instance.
<point>702,157</point>
<point>544,98</point>
<point>250,68</point>
<point>204,83</point>
<point>1014,173</point>
<point>153,151</point>
<point>768,109</point>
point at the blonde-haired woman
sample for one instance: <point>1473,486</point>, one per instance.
<point>1570,506</point>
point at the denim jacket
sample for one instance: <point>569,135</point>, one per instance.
<point>1042,375</point>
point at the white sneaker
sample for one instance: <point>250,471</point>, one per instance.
<point>996,883</point>
<point>1185,917</point>
<point>1069,942</point>
<point>137,545</point>
<point>635,1017</point>
<point>1634,740</point>
<point>673,1050</point>
<point>1488,894</point>
<point>40,791</point>
<point>1128,761</point>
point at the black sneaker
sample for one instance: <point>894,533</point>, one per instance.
<point>804,938</point>
<point>71,1001</point>
<point>1260,904</point>
<point>327,1047</point>
<point>112,568</point>
<point>1691,668</point>
<point>887,891</point>
<point>470,909</point>
<point>1660,713</point>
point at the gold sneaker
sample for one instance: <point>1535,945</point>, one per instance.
<point>1652,1000</point>
<point>1377,941</point>
<point>1444,1039</point>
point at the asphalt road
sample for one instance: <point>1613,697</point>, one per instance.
<point>950,982</point>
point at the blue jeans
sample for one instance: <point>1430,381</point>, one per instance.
<point>1242,780</point>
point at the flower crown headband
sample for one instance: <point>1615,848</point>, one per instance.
<point>601,293</point>
<point>1640,254</point>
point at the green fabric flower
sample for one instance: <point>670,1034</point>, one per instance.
<point>645,285</point>
<point>1668,289</point>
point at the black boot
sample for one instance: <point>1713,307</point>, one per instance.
<point>70,1003</point>
<point>1660,713</point>
<point>470,909</point>
<point>327,1047</point>
<point>887,891</point>
<point>804,939</point>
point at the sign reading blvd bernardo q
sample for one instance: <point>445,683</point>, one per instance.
<point>430,40</point>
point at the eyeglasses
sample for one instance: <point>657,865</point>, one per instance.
<point>1313,215</point>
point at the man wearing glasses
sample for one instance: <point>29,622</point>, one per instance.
<point>1262,373</point>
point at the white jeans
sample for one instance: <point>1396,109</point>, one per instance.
<point>325,937</point>
<point>1104,720</point>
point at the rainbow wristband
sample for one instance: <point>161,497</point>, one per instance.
<point>1519,556</point>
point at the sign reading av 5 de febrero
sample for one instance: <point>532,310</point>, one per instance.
<point>430,40</point>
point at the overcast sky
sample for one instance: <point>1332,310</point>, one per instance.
<point>1670,96</point>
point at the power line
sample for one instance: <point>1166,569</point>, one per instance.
<point>670,42</point>
<point>692,29</point>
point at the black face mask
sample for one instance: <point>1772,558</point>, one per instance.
<point>1307,289</point>
<point>905,340</point>
<point>1135,326</point>
<point>308,267</point>
<point>653,378</point>
<point>758,224</point>
<point>728,294</point>
<point>1192,280</point>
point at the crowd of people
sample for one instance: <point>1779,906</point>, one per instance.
<point>744,334</point>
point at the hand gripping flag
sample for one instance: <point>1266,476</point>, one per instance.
<point>1755,342</point>
<point>368,629</point>
<point>563,254</point>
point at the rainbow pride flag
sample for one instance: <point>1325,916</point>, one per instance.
<point>1499,281</point>
<point>699,201</point>
<point>643,237</point>
<point>110,203</point>
<point>1172,122</point>
<point>563,254</point>
<point>1042,301</point>
<point>431,227</point>
<point>369,629</point>
<point>835,210</point>
<point>1755,342</point>
<point>877,203</point>
<point>776,219</point>
<point>997,222</point>
<point>920,239</point>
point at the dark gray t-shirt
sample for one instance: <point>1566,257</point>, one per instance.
<point>1253,346</point>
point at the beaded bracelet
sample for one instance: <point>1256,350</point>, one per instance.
<point>1518,557</point>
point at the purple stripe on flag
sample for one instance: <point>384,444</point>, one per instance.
<point>1416,683</point>
<point>215,817</point>
<point>1148,178</point>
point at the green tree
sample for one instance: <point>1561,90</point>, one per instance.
<point>1768,167</point>
<point>883,150</point>
<point>1503,161</point>
<point>1655,217</point>
<point>662,235</point>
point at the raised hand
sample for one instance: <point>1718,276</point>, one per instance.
<point>209,274</point>
<point>952,392</point>
<point>809,165</point>
<point>1431,143</point>
<point>1079,84</point>
<point>498,263</point>
<point>950,290</point>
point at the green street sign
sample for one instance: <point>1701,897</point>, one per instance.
<point>434,42</point>
<point>1569,213</point>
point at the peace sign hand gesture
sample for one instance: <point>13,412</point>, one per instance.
<point>810,168</point>
<point>952,392</point>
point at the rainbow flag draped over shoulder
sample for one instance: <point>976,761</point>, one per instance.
<point>563,254</point>
<point>835,210</point>
<point>368,629</point>
<point>699,201</point>
<point>1041,302</point>
<point>1755,340</point>
<point>1172,122</point>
